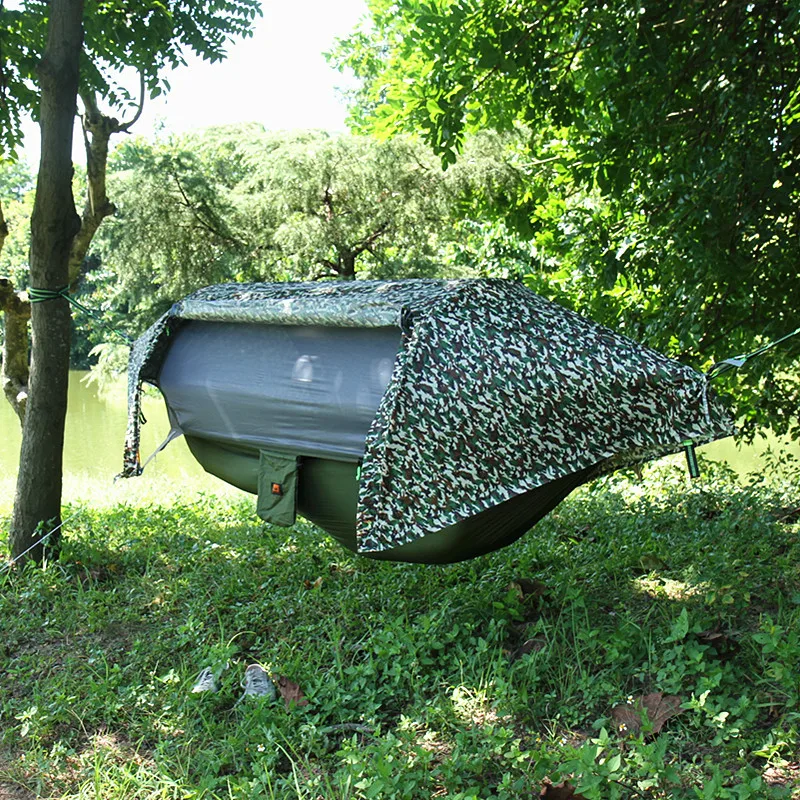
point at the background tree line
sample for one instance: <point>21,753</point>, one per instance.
<point>240,204</point>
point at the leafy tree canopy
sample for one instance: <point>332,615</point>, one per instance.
<point>16,195</point>
<point>147,36</point>
<point>240,203</point>
<point>663,154</point>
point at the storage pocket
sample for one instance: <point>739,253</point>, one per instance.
<point>277,487</point>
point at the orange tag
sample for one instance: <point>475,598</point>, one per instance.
<point>276,488</point>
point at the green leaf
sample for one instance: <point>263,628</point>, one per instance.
<point>680,628</point>
<point>614,763</point>
<point>434,109</point>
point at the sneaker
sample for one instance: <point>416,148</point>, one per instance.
<point>257,683</point>
<point>206,682</point>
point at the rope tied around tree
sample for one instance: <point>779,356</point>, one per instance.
<point>43,295</point>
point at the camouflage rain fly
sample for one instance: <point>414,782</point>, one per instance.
<point>427,412</point>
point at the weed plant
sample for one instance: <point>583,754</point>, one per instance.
<point>501,677</point>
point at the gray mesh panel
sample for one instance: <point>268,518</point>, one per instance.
<point>309,390</point>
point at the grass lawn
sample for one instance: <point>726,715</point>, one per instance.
<point>642,641</point>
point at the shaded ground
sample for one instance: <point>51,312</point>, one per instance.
<point>644,635</point>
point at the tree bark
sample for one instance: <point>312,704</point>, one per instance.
<point>3,228</point>
<point>17,312</point>
<point>54,225</point>
<point>15,370</point>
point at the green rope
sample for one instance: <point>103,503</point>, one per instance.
<point>721,367</point>
<point>43,295</point>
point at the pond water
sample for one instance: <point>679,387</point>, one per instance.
<point>96,430</point>
<point>95,436</point>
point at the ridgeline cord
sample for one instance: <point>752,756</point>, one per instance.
<point>12,562</point>
<point>43,295</point>
<point>721,367</point>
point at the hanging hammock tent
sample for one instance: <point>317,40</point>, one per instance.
<point>418,420</point>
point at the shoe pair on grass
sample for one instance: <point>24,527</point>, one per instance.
<point>256,683</point>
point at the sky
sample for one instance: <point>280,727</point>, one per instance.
<point>278,77</point>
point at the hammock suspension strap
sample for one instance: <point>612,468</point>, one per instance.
<point>691,459</point>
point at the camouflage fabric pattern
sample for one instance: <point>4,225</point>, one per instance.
<point>154,339</point>
<point>495,391</point>
<point>499,391</point>
<point>354,304</point>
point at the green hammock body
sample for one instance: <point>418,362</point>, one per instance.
<point>327,495</point>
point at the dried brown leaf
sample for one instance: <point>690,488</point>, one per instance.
<point>516,589</point>
<point>783,775</point>
<point>532,588</point>
<point>660,708</point>
<point>626,719</point>
<point>529,646</point>
<point>655,708</point>
<point>291,692</point>
<point>527,589</point>
<point>724,644</point>
<point>562,791</point>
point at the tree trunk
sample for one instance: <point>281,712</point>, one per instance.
<point>347,265</point>
<point>15,371</point>
<point>37,504</point>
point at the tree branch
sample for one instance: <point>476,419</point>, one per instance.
<point>327,201</point>
<point>3,228</point>
<point>365,244</point>
<point>527,33</point>
<point>320,275</point>
<point>201,219</point>
<point>14,372</point>
<point>124,127</point>
<point>331,265</point>
<point>97,130</point>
